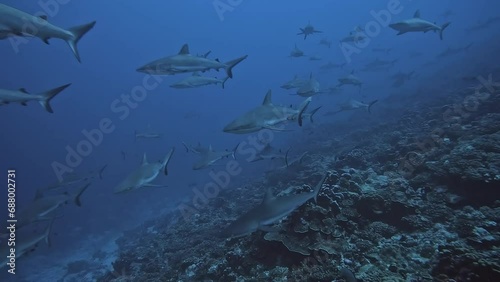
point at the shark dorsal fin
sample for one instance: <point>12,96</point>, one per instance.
<point>144,159</point>
<point>184,50</point>
<point>311,75</point>
<point>417,14</point>
<point>267,98</point>
<point>23,90</point>
<point>269,196</point>
<point>196,74</point>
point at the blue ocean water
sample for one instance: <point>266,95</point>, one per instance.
<point>129,34</point>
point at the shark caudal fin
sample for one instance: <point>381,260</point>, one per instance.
<point>320,184</point>
<point>311,114</point>
<point>46,96</point>
<point>302,108</point>
<point>167,160</point>
<point>224,81</point>
<point>231,64</point>
<point>78,32</point>
<point>443,27</point>
<point>370,106</point>
<point>102,170</point>
<point>76,199</point>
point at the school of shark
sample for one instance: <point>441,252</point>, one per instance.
<point>276,216</point>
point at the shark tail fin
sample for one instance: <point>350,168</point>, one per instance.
<point>234,151</point>
<point>78,32</point>
<point>224,81</point>
<point>286,156</point>
<point>370,106</point>
<point>302,108</point>
<point>102,170</point>
<point>79,194</point>
<point>49,95</point>
<point>186,146</point>
<point>167,160</point>
<point>443,27</point>
<point>313,112</point>
<point>231,64</point>
<point>48,231</point>
<point>318,187</point>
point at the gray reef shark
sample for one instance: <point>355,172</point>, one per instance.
<point>310,88</point>
<point>379,64</point>
<point>400,78</point>
<point>453,51</point>
<point>26,244</point>
<point>325,42</point>
<point>353,105</point>
<point>209,156</point>
<point>14,22</point>
<point>144,175</point>
<point>72,178</point>
<point>146,135</point>
<point>483,24</point>
<point>41,208</point>
<point>315,58</point>
<point>296,82</point>
<point>196,80</point>
<point>416,24</point>
<point>266,116</point>
<point>268,152</point>
<point>331,65</point>
<point>22,96</point>
<point>308,30</point>
<point>351,79</point>
<point>185,62</point>
<point>296,52</point>
<point>269,211</point>
<point>198,149</point>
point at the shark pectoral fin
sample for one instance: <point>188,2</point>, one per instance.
<point>401,32</point>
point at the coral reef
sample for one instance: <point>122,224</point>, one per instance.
<point>417,201</point>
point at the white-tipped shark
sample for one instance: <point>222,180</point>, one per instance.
<point>269,211</point>
<point>22,96</point>
<point>14,22</point>
<point>144,175</point>
<point>266,116</point>
<point>185,62</point>
<point>416,24</point>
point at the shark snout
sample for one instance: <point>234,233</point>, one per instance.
<point>142,69</point>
